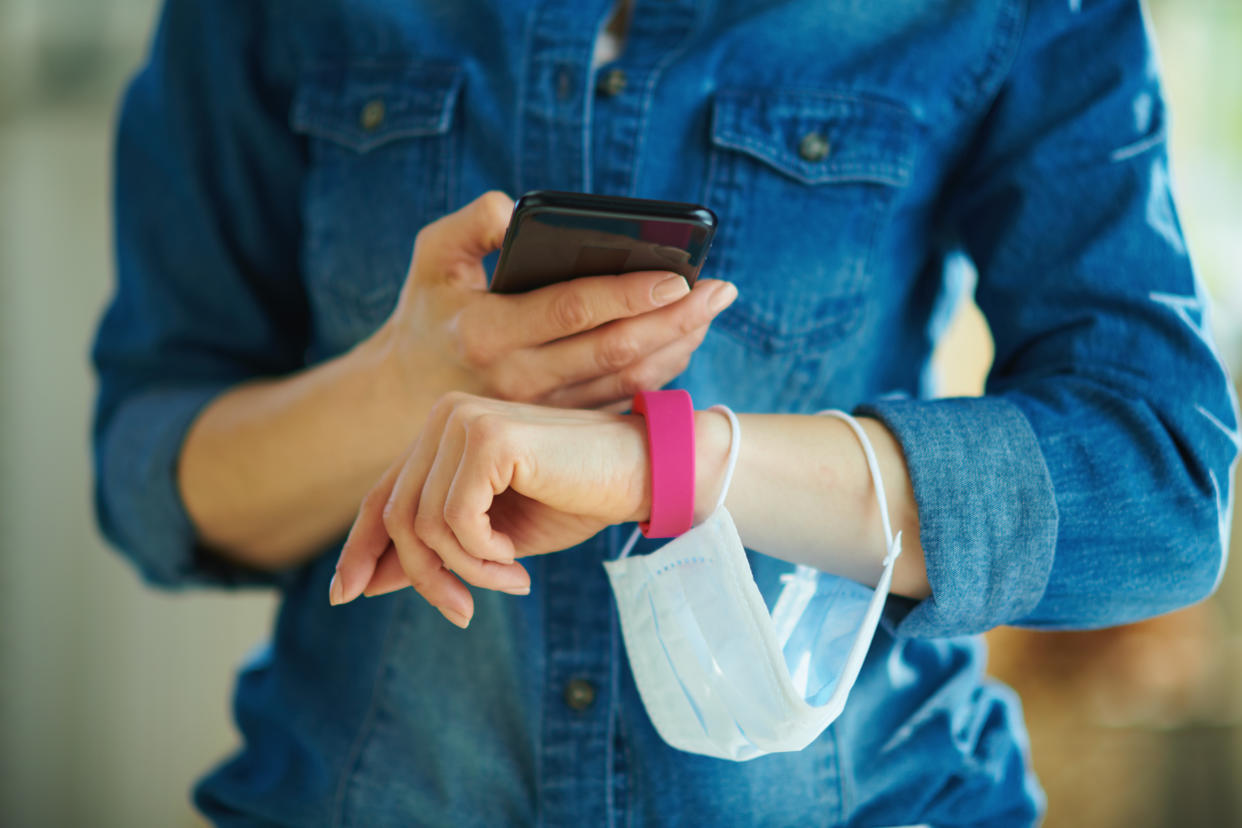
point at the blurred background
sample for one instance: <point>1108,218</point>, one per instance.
<point>113,697</point>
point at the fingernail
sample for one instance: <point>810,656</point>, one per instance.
<point>721,298</point>
<point>517,590</point>
<point>454,616</point>
<point>669,290</point>
<point>336,590</point>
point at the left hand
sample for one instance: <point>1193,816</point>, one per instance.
<point>487,482</point>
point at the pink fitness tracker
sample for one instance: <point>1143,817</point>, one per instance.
<point>670,447</point>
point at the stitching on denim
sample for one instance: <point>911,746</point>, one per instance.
<point>541,654</point>
<point>519,121</point>
<point>895,173</point>
<point>368,721</point>
<point>858,100</point>
<point>350,141</point>
<point>649,91</point>
<point>741,322</point>
<point>328,115</point>
<point>982,81</point>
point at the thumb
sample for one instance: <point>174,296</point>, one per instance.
<point>451,248</point>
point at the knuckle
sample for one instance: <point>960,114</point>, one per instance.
<point>422,577</point>
<point>428,235</point>
<point>373,501</point>
<point>635,301</point>
<point>426,232</point>
<point>456,515</point>
<point>465,412</point>
<point>428,528</point>
<point>635,379</point>
<point>496,203</point>
<point>396,522</point>
<point>570,311</point>
<point>473,345</point>
<point>688,323</point>
<point>616,352</point>
<point>488,430</point>
<point>444,405</point>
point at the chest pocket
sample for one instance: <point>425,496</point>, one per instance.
<point>801,181</point>
<point>382,155</point>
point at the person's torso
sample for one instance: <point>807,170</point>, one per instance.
<point>820,134</point>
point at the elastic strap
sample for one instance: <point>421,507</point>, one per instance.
<point>877,482</point>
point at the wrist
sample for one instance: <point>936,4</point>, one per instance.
<point>712,436</point>
<point>382,378</point>
<point>387,360</point>
<point>712,439</point>
<point>639,461</point>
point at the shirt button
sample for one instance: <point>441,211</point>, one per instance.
<point>612,82</point>
<point>372,115</point>
<point>813,147</point>
<point>579,694</point>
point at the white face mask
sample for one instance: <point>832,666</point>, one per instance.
<point>717,673</point>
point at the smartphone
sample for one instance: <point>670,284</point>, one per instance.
<point>554,236</point>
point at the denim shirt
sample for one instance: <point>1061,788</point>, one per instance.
<point>869,164</point>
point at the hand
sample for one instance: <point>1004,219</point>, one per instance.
<point>585,343</point>
<point>488,482</point>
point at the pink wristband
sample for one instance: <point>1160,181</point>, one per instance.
<point>670,447</point>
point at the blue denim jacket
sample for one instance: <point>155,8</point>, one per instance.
<point>264,223</point>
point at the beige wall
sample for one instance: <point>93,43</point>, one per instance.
<point>112,696</point>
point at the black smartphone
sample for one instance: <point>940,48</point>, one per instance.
<point>554,236</point>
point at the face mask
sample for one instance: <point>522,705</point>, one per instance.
<point>717,673</point>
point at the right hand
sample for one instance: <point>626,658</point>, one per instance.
<point>585,343</point>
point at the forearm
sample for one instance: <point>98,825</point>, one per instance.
<point>273,470</point>
<point>802,492</point>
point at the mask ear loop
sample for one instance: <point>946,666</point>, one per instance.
<point>877,482</point>
<point>735,445</point>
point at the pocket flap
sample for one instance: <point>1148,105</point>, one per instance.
<point>366,105</point>
<point>818,137</point>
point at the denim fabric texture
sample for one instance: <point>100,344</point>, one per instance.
<point>264,224</point>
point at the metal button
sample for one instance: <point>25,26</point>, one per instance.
<point>372,115</point>
<point>813,147</point>
<point>579,694</point>
<point>612,82</point>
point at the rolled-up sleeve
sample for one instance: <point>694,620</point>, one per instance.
<point>1091,485</point>
<point>207,296</point>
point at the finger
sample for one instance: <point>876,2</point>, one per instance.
<point>426,573</point>
<point>481,475</point>
<point>617,345</point>
<point>452,247</point>
<point>649,374</point>
<point>368,538</point>
<point>577,305</point>
<point>422,567</point>
<point>432,527</point>
<point>388,576</point>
